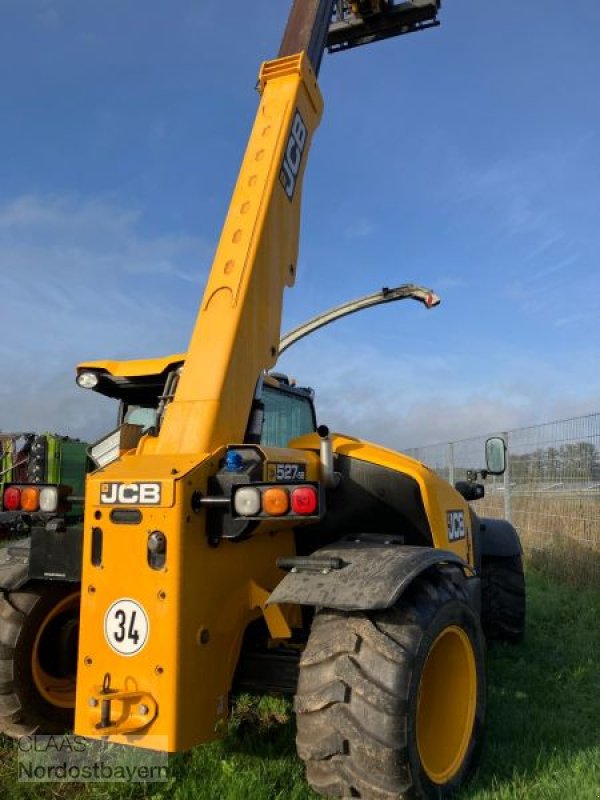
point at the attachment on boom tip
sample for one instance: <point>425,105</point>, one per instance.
<point>318,25</point>
<point>366,21</point>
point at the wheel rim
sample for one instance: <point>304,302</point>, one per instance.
<point>53,671</point>
<point>446,705</point>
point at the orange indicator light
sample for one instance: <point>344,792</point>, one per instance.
<point>275,502</point>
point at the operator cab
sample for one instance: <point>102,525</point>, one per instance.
<point>143,388</point>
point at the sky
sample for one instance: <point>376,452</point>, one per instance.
<point>464,158</point>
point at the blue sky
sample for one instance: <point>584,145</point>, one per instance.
<point>465,158</point>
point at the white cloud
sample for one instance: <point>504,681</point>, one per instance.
<point>359,229</point>
<point>411,397</point>
<point>80,279</point>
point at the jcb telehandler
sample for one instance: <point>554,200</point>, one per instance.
<point>40,573</point>
<point>201,544</point>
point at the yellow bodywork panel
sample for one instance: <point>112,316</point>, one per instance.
<point>439,498</point>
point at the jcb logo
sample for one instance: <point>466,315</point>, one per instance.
<point>292,158</point>
<point>130,494</point>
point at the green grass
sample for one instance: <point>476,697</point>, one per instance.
<point>543,740</point>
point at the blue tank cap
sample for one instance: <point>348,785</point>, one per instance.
<point>233,461</point>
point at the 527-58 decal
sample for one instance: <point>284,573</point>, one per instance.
<point>286,472</point>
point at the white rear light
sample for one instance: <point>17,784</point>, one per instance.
<point>247,501</point>
<point>49,499</point>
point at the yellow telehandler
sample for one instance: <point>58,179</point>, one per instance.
<point>201,544</point>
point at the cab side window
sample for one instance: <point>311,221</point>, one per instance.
<point>287,416</point>
<point>140,415</point>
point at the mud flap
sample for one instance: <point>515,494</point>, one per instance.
<point>498,538</point>
<point>356,576</point>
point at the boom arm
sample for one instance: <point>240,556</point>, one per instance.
<point>237,332</point>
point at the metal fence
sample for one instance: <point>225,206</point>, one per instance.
<point>551,488</point>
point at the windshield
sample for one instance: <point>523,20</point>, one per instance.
<point>287,416</point>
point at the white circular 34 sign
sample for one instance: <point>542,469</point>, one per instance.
<point>126,627</point>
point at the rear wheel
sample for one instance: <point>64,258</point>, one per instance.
<point>391,703</point>
<point>503,598</point>
<point>39,626</point>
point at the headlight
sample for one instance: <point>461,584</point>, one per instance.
<point>87,380</point>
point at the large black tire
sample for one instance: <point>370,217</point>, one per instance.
<point>391,704</point>
<point>38,657</point>
<point>503,599</point>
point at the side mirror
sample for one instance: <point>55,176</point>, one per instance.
<point>495,455</point>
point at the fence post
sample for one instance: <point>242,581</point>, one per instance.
<point>507,488</point>
<point>451,463</point>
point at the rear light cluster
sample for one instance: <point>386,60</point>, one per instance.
<point>276,501</point>
<point>31,498</point>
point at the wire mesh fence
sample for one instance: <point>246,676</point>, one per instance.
<point>550,490</point>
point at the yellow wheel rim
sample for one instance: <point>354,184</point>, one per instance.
<point>56,689</point>
<point>446,705</point>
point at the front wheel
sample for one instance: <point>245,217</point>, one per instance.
<point>391,704</point>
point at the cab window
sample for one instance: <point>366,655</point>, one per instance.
<point>287,415</point>
<point>140,415</point>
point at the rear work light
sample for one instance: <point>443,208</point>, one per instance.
<point>305,500</point>
<point>12,499</point>
<point>87,380</point>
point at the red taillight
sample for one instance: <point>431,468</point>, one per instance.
<point>12,499</point>
<point>305,500</point>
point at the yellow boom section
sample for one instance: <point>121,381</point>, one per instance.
<point>237,332</point>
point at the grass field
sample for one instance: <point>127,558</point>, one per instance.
<point>543,738</point>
